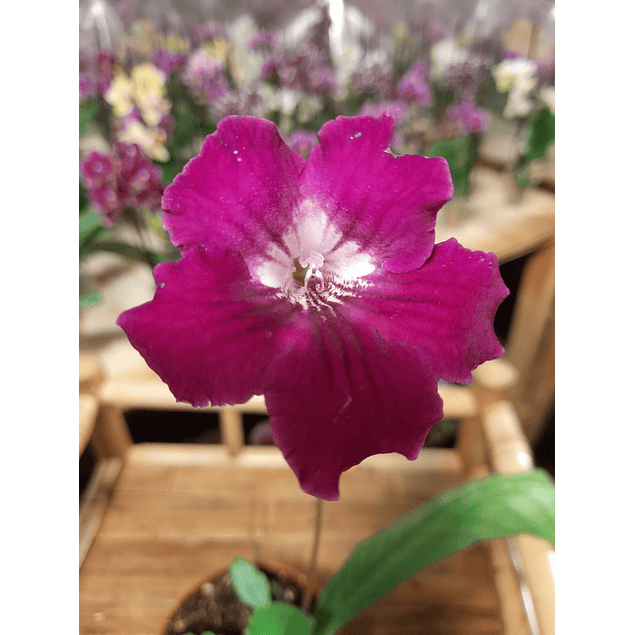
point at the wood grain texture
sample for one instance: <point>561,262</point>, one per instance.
<point>171,523</point>
<point>496,222</point>
<point>88,406</point>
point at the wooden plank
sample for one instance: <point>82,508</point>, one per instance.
<point>232,431</point>
<point>262,472</point>
<point>95,501</point>
<point>150,392</point>
<point>536,396</point>
<point>460,599</point>
<point>111,436</point>
<point>496,223</point>
<point>509,451</point>
<point>534,305</point>
<point>91,373</point>
<point>88,406</point>
<point>510,454</point>
<point>513,611</point>
<point>130,587</point>
<point>130,393</point>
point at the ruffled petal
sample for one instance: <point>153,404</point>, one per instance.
<point>238,193</point>
<point>385,204</point>
<point>340,394</point>
<point>446,308</point>
<point>209,331</point>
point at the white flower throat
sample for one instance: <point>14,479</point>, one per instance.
<point>316,267</point>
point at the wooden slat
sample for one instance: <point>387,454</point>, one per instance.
<point>171,521</point>
<point>510,454</point>
<point>88,406</point>
<point>534,398</point>
<point>532,310</point>
<point>232,431</point>
<point>91,373</point>
<point>513,612</point>
<point>130,393</point>
<point>111,436</point>
<point>95,501</point>
<point>496,223</point>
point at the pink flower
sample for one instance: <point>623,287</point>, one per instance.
<point>302,142</point>
<point>124,178</point>
<point>413,87</point>
<point>318,284</point>
<point>467,118</point>
<point>97,169</point>
<point>205,77</point>
<point>168,61</point>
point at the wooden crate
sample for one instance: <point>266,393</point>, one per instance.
<point>158,518</point>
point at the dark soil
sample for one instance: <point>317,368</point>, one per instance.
<point>215,607</point>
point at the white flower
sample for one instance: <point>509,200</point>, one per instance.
<point>444,54</point>
<point>518,78</point>
<point>548,95</point>
<point>245,64</point>
<point>518,104</point>
<point>517,71</point>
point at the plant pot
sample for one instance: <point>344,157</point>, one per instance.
<point>214,606</point>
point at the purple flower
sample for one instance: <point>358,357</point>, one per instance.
<point>87,86</point>
<point>464,79</point>
<point>546,72</point>
<point>124,178</point>
<point>207,32</point>
<point>467,117</point>
<point>318,284</point>
<point>126,12</point>
<point>302,142</point>
<point>205,77</point>
<point>413,87</point>
<point>374,79</point>
<point>97,169</point>
<point>168,61</point>
<point>265,40</point>
<point>241,101</point>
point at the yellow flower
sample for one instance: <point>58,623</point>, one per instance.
<point>149,92</point>
<point>147,78</point>
<point>218,49</point>
<point>120,95</point>
<point>151,140</point>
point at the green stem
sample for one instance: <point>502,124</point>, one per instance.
<point>148,254</point>
<point>317,529</point>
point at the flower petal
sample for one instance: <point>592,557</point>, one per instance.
<point>209,330</point>
<point>238,193</point>
<point>446,308</point>
<point>385,204</point>
<point>341,394</point>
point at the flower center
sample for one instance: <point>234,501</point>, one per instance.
<point>307,268</point>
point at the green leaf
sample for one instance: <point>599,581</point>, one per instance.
<point>251,584</point>
<point>542,131</point>
<point>90,299</point>
<point>125,250</point>
<point>90,230</point>
<point>460,155</point>
<point>83,199</point>
<point>280,619</point>
<point>87,113</point>
<point>495,507</point>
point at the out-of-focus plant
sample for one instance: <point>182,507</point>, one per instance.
<point>159,77</point>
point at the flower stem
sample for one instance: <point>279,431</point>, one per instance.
<point>144,247</point>
<point>317,528</point>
